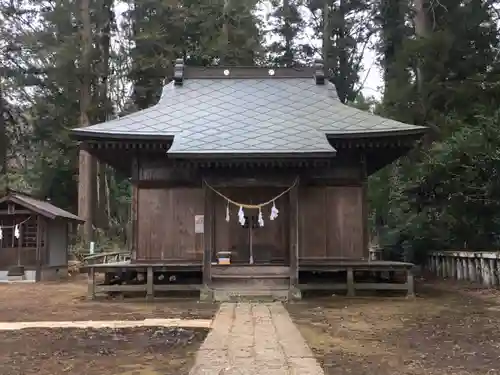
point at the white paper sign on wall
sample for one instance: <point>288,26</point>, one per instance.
<point>199,223</point>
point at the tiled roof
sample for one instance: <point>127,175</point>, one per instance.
<point>42,207</point>
<point>256,115</point>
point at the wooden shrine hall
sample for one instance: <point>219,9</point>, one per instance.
<point>249,180</point>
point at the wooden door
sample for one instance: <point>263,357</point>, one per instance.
<point>230,235</point>
<point>267,244</point>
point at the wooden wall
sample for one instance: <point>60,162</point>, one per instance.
<point>165,224</point>
<point>25,248</point>
<point>57,241</point>
<point>331,225</point>
<point>331,222</point>
<point>331,214</point>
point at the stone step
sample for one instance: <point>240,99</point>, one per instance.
<point>249,295</point>
<point>256,276</point>
<point>251,283</point>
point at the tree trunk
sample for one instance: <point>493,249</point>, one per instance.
<point>87,163</point>
<point>101,221</point>
<point>326,36</point>
<point>336,57</point>
<point>288,34</point>
<point>422,30</point>
<point>396,80</point>
<point>3,142</point>
<point>108,198</point>
<point>342,82</point>
<point>102,211</point>
<point>393,36</point>
<point>225,50</point>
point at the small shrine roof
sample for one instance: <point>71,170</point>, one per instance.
<point>41,207</point>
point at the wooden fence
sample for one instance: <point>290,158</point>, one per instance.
<point>477,266</point>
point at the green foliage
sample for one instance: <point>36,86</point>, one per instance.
<point>442,195</point>
<point>346,28</point>
<point>287,23</point>
<point>451,199</point>
<point>457,185</point>
<point>203,33</point>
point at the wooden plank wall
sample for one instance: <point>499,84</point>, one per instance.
<point>9,257</point>
<point>331,222</point>
<point>9,247</point>
<point>165,224</point>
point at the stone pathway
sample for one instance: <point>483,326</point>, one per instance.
<point>184,323</point>
<point>254,339</point>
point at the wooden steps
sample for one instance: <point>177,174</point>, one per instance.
<point>242,271</point>
<point>250,283</point>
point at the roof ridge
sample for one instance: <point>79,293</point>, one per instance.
<point>8,191</point>
<point>183,71</point>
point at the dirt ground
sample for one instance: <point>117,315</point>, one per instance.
<point>131,351</point>
<point>67,301</point>
<point>442,331</point>
<point>137,351</point>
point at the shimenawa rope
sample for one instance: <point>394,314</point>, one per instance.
<point>13,226</point>
<point>252,206</point>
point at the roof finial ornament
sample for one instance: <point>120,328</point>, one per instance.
<point>319,73</point>
<point>179,72</point>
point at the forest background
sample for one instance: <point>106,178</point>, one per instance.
<point>70,63</point>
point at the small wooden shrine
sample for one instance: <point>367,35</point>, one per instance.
<point>34,238</point>
<point>249,172</point>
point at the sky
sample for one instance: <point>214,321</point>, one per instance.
<point>370,74</point>
<point>373,75</point>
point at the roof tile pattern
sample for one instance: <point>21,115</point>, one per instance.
<point>249,116</point>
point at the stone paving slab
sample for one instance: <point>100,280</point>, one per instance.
<point>184,323</point>
<point>254,339</point>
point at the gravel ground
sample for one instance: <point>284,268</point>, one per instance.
<point>67,301</point>
<point>134,351</point>
<point>447,330</point>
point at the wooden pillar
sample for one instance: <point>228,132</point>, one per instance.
<point>465,268</point>
<point>449,267</point>
<point>472,269</point>
<point>46,242</point>
<point>454,273</point>
<point>364,209</point>
<point>91,283</point>
<point>150,284</point>
<point>410,283</point>
<point>493,273</point>
<point>477,264</point>
<point>38,276</point>
<point>134,210</point>
<point>485,265</point>
<point>481,270</point>
<point>294,236</point>
<point>208,235</point>
<point>443,266</point>
<point>350,283</point>
<point>497,269</point>
<point>87,193</point>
